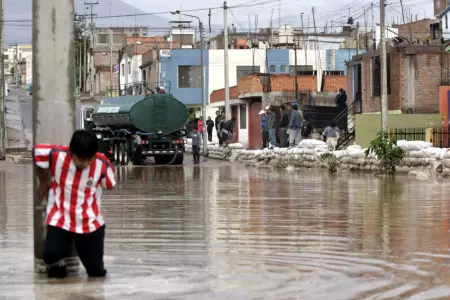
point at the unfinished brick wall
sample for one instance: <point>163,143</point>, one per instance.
<point>278,83</point>
<point>332,83</point>
<point>415,80</point>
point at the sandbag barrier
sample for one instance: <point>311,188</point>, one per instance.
<point>420,156</point>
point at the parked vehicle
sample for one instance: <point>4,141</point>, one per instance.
<point>131,128</point>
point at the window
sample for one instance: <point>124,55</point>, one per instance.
<point>122,70</point>
<point>189,77</point>
<point>283,69</point>
<point>243,116</point>
<point>129,67</point>
<point>376,77</point>
<point>103,38</point>
<point>301,69</point>
<point>118,38</point>
<point>272,69</point>
<point>244,71</point>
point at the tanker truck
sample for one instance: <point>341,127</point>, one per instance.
<point>132,128</point>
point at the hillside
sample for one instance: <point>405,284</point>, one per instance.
<point>22,10</point>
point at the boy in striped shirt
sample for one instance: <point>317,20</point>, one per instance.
<point>72,178</point>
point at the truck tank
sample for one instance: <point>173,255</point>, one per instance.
<point>160,114</point>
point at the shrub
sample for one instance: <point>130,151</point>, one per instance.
<point>388,153</point>
<point>331,160</point>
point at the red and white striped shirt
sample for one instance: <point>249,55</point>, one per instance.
<point>74,196</point>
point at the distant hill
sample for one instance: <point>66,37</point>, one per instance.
<point>20,32</point>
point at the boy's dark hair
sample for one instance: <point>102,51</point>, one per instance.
<point>295,107</point>
<point>84,143</point>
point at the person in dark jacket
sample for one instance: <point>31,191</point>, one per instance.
<point>209,128</point>
<point>219,117</point>
<point>284,126</point>
<point>264,132</point>
<point>227,131</point>
<point>307,128</point>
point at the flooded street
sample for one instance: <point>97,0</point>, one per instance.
<point>228,232</point>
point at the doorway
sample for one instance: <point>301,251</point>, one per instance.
<point>254,132</point>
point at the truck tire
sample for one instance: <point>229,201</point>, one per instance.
<point>123,155</point>
<point>116,153</point>
<point>179,159</point>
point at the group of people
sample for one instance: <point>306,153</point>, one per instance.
<point>292,127</point>
<point>291,130</point>
<point>225,131</point>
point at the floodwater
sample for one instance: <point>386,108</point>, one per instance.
<point>224,231</point>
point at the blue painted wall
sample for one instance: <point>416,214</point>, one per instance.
<point>341,56</point>
<point>169,74</point>
<point>278,57</point>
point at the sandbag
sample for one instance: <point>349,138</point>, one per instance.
<point>413,145</point>
<point>417,154</point>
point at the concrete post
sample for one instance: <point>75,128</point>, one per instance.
<point>2,88</point>
<point>53,86</point>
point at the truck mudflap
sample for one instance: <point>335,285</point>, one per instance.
<point>162,152</point>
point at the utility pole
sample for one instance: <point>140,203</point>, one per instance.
<point>84,64</point>
<point>80,66</point>
<point>357,38</point>
<point>225,61</point>
<point>91,46</point>
<point>50,69</point>
<point>2,86</point>
<point>111,36</point>
<point>202,63</point>
<point>384,102</point>
<point>295,72</point>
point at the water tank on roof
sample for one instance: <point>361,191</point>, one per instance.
<point>286,35</point>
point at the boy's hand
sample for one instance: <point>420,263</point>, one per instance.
<point>42,191</point>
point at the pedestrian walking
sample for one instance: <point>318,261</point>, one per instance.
<point>209,128</point>
<point>227,131</point>
<point>72,179</point>
<point>295,124</point>
<point>284,126</point>
<point>331,135</point>
<point>196,142</point>
<point>200,127</point>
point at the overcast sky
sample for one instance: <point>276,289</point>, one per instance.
<point>326,11</point>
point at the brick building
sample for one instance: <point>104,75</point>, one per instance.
<point>415,73</point>
<point>421,32</point>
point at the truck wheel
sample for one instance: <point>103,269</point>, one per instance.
<point>179,160</point>
<point>116,153</point>
<point>123,155</point>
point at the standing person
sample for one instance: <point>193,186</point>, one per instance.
<point>295,124</point>
<point>216,123</point>
<point>227,131</point>
<point>331,135</point>
<point>196,142</point>
<point>219,125</point>
<point>200,126</point>
<point>284,126</point>
<point>307,128</point>
<point>209,128</point>
<point>271,128</point>
<point>72,178</point>
<point>264,133</point>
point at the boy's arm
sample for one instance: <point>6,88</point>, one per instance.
<point>108,180</point>
<point>41,158</point>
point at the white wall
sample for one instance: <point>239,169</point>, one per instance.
<point>29,72</point>
<point>317,59</point>
<point>127,77</point>
<point>445,25</point>
<point>236,57</point>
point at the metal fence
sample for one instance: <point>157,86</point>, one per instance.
<point>439,137</point>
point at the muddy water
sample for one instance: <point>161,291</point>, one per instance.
<point>226,232</point>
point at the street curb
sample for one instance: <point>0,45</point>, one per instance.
<point>19,158</point>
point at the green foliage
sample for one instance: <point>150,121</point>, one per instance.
<point>388,153</point>
<point>331,160</point>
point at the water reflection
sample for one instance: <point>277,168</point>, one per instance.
<point>219,231</point>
